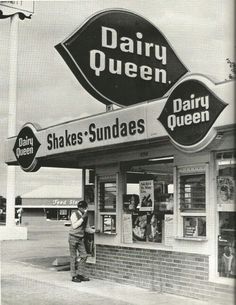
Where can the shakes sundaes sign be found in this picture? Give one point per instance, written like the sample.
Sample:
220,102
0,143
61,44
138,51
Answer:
121,58
189,113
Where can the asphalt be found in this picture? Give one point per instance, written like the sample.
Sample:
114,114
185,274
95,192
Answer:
28,276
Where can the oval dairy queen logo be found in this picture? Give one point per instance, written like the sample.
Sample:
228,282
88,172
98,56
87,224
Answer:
120,57
26,147
189,113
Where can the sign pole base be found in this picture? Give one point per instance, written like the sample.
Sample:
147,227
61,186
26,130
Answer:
13,233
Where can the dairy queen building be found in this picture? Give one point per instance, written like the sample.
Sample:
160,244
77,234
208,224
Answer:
160,165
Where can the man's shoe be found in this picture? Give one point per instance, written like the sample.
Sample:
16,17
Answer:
82,278
76,279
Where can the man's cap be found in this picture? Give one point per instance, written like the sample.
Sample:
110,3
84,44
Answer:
82,204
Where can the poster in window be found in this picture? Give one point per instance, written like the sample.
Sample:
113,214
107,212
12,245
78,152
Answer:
146,190
154,228
226,190
190,226
194,226
139,226
130,202
109,224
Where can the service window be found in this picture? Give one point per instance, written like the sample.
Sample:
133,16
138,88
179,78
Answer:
107,194
149,199
107,197
192,192
192,201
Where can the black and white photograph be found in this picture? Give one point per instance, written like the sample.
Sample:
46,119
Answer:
117,155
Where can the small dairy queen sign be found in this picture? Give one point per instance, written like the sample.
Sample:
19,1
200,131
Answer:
189,113
26,147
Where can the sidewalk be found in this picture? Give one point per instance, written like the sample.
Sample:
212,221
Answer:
51,287
28,278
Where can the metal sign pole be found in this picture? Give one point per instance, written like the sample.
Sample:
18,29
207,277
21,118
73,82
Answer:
11,170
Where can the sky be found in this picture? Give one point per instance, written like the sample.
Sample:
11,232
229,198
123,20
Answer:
201,33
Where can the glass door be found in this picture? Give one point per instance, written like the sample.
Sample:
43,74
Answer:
226,166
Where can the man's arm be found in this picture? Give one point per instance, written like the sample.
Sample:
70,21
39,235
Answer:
75,221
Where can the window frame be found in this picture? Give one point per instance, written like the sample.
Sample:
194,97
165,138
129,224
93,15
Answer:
151,243
222,208
191,170
112,213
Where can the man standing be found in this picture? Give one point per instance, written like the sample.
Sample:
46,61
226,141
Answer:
79,225
19,215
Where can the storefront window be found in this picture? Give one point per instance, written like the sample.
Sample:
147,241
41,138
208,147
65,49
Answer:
58,214
149,199
63,214
192,201
226,173
52,214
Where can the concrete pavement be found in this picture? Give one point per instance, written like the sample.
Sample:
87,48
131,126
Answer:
31,285
28,277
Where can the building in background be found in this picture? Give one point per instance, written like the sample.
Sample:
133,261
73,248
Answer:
49,202
2,210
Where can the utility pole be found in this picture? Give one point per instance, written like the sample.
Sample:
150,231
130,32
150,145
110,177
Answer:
14,10
12,100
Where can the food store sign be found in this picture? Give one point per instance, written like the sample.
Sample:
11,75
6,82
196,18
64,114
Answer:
65,202
189,113
120,57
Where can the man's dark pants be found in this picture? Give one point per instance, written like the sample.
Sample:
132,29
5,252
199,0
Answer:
77,251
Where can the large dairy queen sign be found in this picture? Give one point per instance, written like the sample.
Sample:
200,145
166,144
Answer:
120,57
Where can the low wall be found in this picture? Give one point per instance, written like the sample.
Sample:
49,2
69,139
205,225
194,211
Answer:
165,271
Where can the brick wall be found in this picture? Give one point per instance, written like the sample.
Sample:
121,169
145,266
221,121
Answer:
165,271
